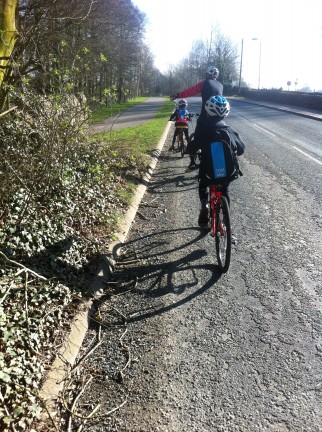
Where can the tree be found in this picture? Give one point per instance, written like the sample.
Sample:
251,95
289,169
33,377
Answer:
218,51
93,47
8,35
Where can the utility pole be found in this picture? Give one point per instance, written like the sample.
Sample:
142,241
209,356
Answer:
241,65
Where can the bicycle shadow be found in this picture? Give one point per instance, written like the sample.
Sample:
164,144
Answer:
160,243
181,181
156,280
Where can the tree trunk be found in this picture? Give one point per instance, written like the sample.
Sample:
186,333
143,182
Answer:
8,34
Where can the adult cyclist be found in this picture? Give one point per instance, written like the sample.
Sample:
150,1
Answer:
216,109
207,88
181,117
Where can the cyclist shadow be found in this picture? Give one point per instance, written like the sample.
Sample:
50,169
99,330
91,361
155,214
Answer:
181,181
155,281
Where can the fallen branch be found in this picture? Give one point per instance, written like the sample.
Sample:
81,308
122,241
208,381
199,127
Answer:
26,302
149,205
133,261
90,416
6,293
26,269
86,355
71,412
125,348
8,111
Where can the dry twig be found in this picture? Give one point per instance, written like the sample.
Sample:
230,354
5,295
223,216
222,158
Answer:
6,293
125,348
128,261
71,412
141,215
22,266
149,205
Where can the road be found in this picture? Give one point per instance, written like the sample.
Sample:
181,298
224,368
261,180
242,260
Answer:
234,352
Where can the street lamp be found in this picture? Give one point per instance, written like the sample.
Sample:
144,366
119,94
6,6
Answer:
259,62
241,65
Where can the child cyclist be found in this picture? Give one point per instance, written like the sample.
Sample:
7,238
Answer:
181,117
216,109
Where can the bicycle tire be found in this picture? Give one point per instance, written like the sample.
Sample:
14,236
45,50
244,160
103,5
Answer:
181,143
223,234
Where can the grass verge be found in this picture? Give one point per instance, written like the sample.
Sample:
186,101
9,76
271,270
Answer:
141,140
103,113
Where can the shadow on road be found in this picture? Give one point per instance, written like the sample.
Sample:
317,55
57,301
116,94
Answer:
155,269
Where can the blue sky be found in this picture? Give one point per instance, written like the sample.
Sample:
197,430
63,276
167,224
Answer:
288,32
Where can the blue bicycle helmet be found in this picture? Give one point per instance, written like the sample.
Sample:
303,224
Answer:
217,106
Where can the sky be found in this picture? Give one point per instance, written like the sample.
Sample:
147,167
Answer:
288,33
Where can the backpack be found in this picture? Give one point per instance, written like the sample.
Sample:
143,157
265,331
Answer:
219,163
181,120
181,114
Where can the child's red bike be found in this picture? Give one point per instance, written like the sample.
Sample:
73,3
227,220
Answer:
181,140
220,226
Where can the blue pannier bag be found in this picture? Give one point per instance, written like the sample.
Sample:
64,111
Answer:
219,160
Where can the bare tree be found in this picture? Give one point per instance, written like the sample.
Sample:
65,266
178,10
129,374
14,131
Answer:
88,46
218,51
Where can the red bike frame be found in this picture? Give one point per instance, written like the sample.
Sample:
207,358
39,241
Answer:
215,194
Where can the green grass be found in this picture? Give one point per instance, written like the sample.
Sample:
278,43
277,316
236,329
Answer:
128,150
144,138
106,112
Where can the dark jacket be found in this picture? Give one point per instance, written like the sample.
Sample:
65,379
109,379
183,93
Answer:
207,88
205,133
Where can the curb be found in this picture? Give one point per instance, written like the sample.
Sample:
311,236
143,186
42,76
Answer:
67,354
281,108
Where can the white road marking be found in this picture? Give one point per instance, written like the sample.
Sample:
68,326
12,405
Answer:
296,148
270,133
307,155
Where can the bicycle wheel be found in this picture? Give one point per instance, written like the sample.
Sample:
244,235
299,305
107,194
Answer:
223,234
181,144
178,141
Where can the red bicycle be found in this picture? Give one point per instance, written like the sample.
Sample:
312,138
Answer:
181,140
220,225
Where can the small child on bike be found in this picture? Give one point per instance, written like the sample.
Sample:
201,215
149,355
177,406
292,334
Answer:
217,108
181,117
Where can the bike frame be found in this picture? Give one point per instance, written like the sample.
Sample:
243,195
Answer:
180,139
214,195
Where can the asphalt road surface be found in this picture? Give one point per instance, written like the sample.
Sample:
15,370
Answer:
211,352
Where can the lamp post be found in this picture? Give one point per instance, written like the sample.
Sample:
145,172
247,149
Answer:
259,62
241,65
